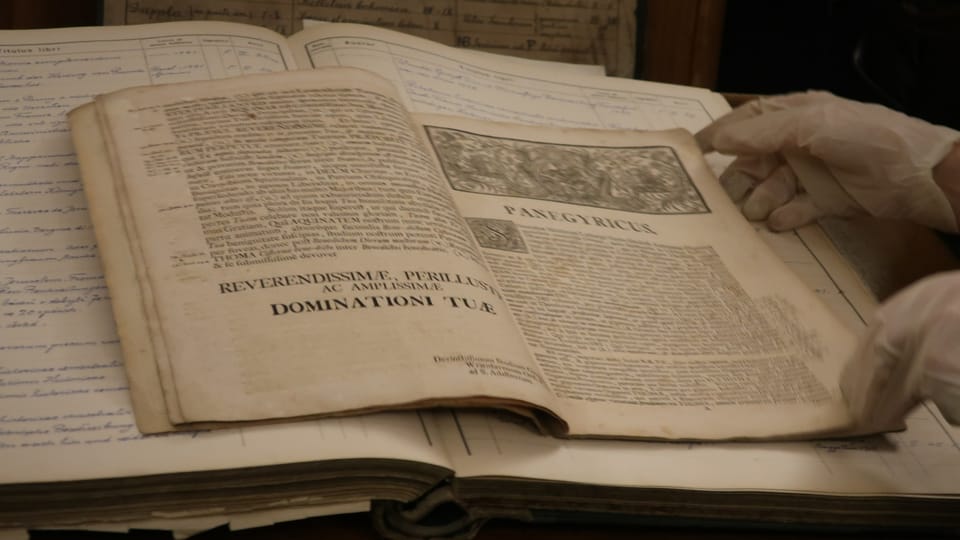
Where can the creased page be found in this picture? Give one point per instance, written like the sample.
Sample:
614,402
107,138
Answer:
124,274
651,307
65,409
303,253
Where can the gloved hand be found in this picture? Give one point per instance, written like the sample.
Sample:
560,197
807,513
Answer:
911,352
881,161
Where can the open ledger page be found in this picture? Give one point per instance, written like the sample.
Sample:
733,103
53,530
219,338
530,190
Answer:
300,253
570,32
650,305
65,410
437,79
921,461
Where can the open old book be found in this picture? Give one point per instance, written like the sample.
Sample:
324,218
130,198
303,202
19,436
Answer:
298,244
72,456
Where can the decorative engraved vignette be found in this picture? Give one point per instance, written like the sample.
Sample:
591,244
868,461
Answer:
647,180
499,234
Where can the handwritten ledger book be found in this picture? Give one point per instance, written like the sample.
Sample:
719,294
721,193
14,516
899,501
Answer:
70,453
599,33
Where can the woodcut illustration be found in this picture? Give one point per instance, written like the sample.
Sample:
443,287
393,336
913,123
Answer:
647,180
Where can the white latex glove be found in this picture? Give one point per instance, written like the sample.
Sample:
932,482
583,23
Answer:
911,352
881,161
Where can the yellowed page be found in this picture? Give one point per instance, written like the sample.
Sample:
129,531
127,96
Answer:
141,353
564,69
302,253
652,308
921,461
434,78
811,255
573,32
276,15
65,408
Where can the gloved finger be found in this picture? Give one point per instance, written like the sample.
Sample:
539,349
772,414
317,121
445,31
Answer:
737,184
772,193
908,354
876,382
823,187
939,346
799,211
763,105
746,172
946,396
833,131
767,133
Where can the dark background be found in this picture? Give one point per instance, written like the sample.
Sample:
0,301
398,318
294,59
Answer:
903,54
